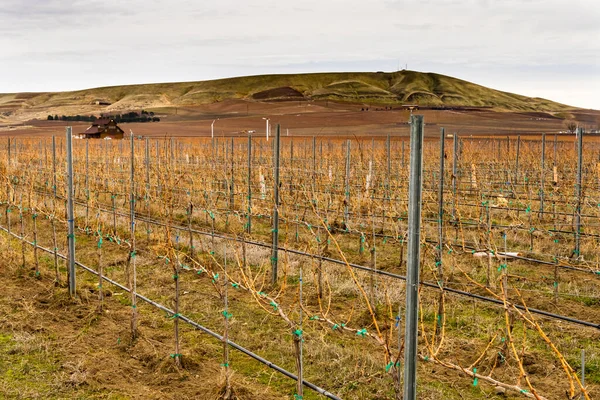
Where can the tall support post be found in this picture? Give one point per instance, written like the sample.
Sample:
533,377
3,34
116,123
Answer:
172,151
414,255
275,246
224,185
226,316
403,154
314,165
232,183
87,186
291,168
517,161
249,199
543,173
158,189
576,251
320,155
53,167
388,156
70,214
8,191
133,280
298,341
454,173
347,187
147,196
53,218
249,187
555,148
388,176
554,183
373,249
440,246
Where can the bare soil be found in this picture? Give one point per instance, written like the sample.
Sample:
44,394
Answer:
321,118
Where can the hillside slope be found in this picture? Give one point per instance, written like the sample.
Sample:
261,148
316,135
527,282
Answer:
369,87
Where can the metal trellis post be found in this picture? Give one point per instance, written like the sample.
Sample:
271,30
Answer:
414,254
578,192
275,252
70,213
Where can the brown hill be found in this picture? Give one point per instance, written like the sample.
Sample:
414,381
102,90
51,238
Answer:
394,88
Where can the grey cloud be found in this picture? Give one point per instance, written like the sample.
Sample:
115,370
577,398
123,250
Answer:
43,9
489,42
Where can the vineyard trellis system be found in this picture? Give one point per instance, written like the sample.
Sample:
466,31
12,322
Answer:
313,234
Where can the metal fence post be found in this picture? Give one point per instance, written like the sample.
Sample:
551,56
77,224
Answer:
232,183
542,180
275,251
576,252
454,173
70,213
388,176
8,191
403,153
147,195
314,166
440,249
87,185
414,254
347,187
132,255
249,223
517,162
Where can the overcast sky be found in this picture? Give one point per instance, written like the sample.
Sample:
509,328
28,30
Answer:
543,48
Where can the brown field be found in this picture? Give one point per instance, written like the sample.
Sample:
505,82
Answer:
322,118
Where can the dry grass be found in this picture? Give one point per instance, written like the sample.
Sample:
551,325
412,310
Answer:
337,355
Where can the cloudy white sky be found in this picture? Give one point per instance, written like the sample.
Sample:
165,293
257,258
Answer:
544,48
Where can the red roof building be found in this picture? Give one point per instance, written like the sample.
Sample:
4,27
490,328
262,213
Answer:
103,128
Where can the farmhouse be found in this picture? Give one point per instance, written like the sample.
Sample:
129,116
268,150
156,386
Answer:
410,107
102,129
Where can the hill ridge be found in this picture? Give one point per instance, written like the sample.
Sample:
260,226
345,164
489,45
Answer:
389,88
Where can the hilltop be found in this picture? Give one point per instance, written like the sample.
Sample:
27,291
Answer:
374,88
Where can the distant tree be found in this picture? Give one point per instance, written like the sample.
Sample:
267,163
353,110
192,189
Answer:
571,126
155,119
56,118
50,118
63,118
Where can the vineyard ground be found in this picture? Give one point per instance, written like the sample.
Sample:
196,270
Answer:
56,348
88,355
